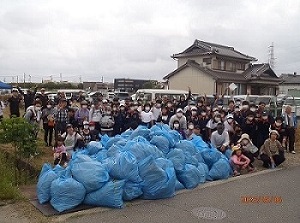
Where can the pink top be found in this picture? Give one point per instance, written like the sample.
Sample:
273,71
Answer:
239,160
60,149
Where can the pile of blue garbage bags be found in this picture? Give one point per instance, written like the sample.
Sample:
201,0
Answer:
142,163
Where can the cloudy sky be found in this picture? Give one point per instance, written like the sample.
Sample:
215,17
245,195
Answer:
91,39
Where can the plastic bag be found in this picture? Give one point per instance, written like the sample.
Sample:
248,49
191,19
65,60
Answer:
190,176
66,193
220,170
110,195
101,155
143,149
131,191
157,183
177,157
140,131
93,147
114,140
46,177
104,139
187,146
211,156
92,175
203,166
199,143
125,167
161,143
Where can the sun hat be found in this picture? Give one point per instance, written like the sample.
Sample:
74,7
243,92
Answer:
235,148
244,136
273,132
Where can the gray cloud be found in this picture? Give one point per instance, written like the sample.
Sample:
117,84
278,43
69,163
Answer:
135,38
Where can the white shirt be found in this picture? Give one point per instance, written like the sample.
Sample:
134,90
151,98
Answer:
218,140
147,117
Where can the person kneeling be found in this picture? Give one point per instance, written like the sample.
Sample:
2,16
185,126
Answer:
272,152
239,161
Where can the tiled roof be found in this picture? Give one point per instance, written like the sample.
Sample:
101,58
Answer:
290,78
255,72
201,48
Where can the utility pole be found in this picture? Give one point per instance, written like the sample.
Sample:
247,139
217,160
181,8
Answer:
24,79
271,56
60,75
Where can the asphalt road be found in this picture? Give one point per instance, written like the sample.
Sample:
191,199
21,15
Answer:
264,197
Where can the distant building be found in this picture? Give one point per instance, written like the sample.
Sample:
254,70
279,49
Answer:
290,84
129,85
210,68
98,86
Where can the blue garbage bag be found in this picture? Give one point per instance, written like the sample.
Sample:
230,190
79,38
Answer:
104,139
187,146
190,176
177,157
93,147
66,193
199,157
114,140
101,155
203,166
142,149
125,167
199,143
178,185
211,156
93,175
140,131
110,195
220,170
126,134
157,183
176,136
46,177
131,191
115,150
161,143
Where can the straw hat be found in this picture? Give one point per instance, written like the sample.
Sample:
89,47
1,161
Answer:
235,148
272,132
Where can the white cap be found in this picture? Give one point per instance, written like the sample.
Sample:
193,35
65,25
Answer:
179,110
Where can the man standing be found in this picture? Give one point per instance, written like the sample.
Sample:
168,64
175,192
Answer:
290,121
14,103
28,97
43,97
61,117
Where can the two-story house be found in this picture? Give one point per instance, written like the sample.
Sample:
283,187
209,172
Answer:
210,68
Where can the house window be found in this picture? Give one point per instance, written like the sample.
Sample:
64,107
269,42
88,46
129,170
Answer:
222,66
240,66
207,61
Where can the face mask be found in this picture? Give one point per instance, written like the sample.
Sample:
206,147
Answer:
250,118
169,105
135,107
49,106
220,106
158,105
122,109
38,108
253,109
92,127
200,104
236,109
191,127
109,112
278,123
147,109
222,115
194,113
85,126
179,115
114,109
230,120
208,108
176,126
245,106
217,119
203,113
164,117
264,117
84,106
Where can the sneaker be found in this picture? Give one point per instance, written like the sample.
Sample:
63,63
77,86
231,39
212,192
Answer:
293,152
236,173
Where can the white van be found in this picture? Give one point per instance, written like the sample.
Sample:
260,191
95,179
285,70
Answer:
70,93
153,94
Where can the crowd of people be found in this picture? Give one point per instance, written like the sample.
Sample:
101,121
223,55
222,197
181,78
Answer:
242,127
